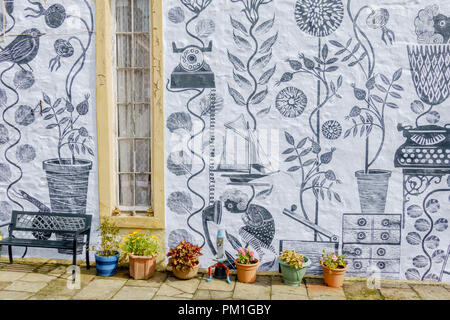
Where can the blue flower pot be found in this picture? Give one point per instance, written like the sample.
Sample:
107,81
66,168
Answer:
106,266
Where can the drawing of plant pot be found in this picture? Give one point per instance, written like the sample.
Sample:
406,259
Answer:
372,188
68,185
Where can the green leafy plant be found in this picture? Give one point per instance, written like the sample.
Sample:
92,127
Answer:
333,261
140,244
184,256
110,242
293,258
245,256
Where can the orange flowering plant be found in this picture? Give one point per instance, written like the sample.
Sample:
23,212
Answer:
184,256
140,244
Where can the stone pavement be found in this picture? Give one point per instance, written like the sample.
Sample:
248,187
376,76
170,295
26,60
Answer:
47,280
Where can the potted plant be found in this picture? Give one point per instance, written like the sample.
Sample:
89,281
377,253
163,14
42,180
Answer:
106,259
142,252
184,260
293,267
374,97
246,266
334,267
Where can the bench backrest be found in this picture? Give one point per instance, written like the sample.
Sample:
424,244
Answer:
49,222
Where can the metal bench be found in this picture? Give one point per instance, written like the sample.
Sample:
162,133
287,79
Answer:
74,227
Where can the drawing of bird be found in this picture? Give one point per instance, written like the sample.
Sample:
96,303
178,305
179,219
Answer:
442,26
23,49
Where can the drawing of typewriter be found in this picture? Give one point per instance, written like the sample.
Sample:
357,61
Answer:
426,147
193,71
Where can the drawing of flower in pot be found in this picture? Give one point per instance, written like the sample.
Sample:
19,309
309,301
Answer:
68,178
378,94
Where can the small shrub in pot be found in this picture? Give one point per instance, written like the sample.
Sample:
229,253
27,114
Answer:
334,267
246,265
184,260
107,257
293,267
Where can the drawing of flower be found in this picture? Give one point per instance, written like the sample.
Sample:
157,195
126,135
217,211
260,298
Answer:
331,129
319,18
291,102
63,49
378,19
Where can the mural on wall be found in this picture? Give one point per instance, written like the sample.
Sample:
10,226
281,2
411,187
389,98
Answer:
49,143
300,147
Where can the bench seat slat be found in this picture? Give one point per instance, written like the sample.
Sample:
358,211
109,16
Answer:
39,243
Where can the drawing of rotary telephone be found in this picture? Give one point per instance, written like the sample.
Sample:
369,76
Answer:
193,71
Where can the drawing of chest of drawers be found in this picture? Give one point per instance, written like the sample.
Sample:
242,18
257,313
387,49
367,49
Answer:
372,240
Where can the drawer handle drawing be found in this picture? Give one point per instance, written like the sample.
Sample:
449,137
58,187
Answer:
386,222
381,251
357,265
362,222
385,236
361,236
381,265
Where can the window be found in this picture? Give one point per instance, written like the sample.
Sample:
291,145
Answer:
133,105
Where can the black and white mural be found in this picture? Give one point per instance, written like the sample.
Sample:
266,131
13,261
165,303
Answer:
311,124
47,106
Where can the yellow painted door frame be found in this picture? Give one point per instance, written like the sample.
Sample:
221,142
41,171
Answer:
106,120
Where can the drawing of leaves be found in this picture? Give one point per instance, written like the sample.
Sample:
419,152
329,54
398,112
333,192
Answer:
397,75
288,151
237,63
267,45
263,61
291,158
336,43
289,138
324,52
259,97
242,43
263,111
237,25
46,99
294,64
293,169
238,98
417,107
235,243
337,197
241,81
266,76
264,194
265,26
309,162
302,143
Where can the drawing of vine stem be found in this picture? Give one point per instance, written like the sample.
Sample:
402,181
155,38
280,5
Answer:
264,49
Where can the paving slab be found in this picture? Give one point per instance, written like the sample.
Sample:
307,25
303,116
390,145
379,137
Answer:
58,287
399,294
322,292
14,295
431,292
41,297
168,298
168,291
186,286
259,290
359,291
155,282
11,276
135,293
217,284
4,284
281,291
100,289
37,277
16,267
212,295
26,286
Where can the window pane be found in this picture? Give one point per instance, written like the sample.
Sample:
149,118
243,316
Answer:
142,189
126,120
142,16
143,120
142,47
142,156
124,86
123,16
126,192
124,53
126,155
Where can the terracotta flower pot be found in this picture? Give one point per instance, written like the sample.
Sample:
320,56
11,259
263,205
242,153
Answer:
142,267
334,277
185,275
246,272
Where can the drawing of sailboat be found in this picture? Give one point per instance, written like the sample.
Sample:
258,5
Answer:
243,158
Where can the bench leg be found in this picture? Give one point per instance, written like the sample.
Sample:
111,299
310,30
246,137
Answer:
10,254
74,260
87,259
